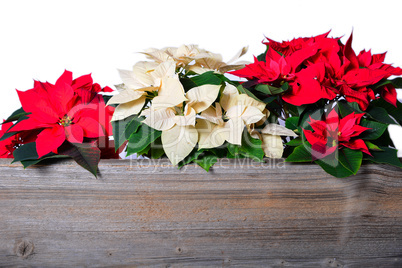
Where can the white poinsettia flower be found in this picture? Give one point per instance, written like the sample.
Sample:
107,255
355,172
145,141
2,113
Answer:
211,128
179,120
182,55
214,62
145,77
241,111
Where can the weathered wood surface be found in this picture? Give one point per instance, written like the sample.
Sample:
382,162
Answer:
247,215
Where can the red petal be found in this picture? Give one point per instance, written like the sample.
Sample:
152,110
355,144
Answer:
314,138
62,95
74,133
389,94
349,52
84,81
49,140
38,105
357,145
107,89
29,124
92,128
364,58
66,77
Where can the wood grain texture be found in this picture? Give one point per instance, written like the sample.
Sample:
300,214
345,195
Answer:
242,214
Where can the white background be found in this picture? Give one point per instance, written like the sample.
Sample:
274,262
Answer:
39,39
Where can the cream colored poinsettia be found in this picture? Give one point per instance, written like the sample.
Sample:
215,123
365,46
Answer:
204,60
240,110
147,77
214,62
177,122
182,55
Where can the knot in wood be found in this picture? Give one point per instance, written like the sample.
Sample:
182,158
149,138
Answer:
24,248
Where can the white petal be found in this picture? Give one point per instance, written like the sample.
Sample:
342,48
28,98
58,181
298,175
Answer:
198,69
235,129
272,145
228,97
188,118
125,96
130,108
275,129
157,55
142,71
213,115
178,142
210,135
262,120
251,115
238,54
203,96
244,99
165,69
247,113
170,94
130,80
160,119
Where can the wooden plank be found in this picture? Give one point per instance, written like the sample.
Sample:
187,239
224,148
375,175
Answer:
247,214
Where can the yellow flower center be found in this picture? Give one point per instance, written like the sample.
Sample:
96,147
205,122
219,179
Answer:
65,121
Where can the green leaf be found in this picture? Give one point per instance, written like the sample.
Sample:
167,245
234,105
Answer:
372,146
350,159
139,140
87,155
380,114
295,142
291,123
122,129
308,112
187,83
387,155
301,153
395,112
248,92
145,150
16,115
195,153
375,131
207,161
269,99
249,147
7,135
397,83
157,149
133,126
337,170
262,56
27,163
346,108
27,155
25,152
270,90
207,78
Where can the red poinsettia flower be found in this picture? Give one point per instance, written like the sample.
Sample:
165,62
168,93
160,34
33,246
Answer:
67,110
332,133
7,146
305,84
